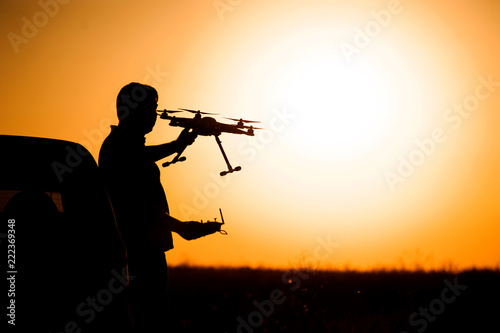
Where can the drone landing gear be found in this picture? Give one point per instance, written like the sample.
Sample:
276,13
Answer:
230,168
176,159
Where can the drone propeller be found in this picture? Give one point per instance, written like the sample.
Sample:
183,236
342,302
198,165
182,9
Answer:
254,127
196,111
167,111
242,120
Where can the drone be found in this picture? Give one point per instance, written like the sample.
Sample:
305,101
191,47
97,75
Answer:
207,126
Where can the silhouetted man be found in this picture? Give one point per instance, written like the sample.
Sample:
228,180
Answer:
133,181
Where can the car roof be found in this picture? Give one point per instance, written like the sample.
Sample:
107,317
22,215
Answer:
43,163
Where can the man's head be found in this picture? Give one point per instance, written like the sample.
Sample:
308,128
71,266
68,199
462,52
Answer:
136,106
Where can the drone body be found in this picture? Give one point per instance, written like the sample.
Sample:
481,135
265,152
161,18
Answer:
207,126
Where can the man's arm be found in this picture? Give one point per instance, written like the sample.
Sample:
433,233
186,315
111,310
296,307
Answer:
159,152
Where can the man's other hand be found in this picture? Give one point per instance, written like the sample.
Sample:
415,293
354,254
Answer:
193,230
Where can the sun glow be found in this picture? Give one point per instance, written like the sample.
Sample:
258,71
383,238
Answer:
344,110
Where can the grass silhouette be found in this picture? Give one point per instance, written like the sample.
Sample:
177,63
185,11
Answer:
238,300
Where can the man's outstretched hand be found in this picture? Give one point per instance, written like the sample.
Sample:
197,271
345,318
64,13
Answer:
186,138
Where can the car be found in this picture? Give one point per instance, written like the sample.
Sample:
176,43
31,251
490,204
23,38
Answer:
67,266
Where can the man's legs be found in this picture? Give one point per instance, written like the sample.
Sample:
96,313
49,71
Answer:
148,291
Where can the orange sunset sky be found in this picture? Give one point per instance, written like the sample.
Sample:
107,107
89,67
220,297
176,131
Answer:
382,118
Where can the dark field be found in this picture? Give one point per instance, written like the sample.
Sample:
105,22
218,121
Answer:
247,300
